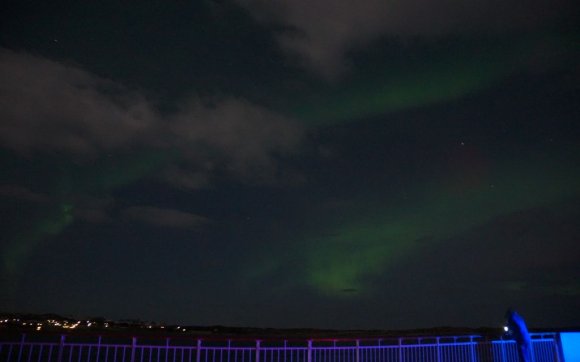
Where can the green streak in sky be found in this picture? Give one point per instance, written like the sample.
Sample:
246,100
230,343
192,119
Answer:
425,87
71,181
340,262
343,259
359,250
394,87
109,172
24,243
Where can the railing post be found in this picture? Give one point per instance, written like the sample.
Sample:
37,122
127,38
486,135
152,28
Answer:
309,352
61,348
98,348
133,346
357,351
167,348
198,351
557,344
472,349
503,358
22,340
257,350
400,351
438,349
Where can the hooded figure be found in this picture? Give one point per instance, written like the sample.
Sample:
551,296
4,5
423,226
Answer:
518,330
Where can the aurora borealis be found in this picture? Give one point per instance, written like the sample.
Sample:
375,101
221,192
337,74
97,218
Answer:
252,163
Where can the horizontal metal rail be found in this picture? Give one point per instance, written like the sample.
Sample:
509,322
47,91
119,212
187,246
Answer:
408,349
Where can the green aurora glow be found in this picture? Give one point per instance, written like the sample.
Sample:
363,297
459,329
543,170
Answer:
418,81
341,260
97,178
15,255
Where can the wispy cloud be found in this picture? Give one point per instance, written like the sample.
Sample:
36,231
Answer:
22,193
50,106
164,217
323,31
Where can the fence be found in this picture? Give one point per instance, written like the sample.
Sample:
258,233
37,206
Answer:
408,349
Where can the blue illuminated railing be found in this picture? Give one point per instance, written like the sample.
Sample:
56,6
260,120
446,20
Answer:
408,349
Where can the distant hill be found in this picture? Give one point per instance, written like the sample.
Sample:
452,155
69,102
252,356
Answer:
55,323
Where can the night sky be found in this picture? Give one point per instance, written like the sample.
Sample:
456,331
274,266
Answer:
291,163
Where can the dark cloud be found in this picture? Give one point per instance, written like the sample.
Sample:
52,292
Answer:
93,210
246,138
165,217
47,105
511,247
22,193
323,31
516,259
